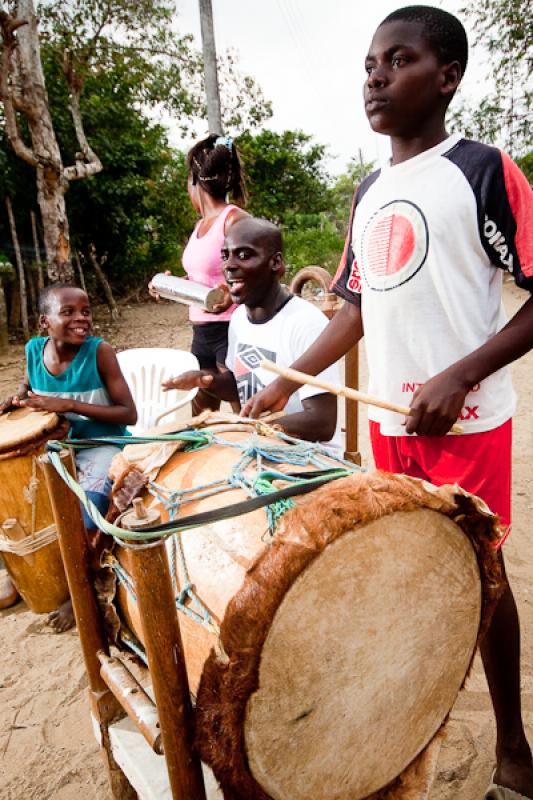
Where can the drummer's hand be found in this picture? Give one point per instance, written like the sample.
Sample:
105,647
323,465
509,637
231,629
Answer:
219,308
152,292
7,403
437,405
273,397
196,378
39,402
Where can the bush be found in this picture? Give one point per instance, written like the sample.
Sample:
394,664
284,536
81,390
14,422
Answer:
306,246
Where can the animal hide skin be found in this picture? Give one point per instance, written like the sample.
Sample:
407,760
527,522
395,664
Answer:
318,520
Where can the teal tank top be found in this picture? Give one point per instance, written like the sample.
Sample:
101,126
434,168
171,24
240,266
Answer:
80,381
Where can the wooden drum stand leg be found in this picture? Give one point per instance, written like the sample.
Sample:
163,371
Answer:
351,379
162,640
329,305
74,550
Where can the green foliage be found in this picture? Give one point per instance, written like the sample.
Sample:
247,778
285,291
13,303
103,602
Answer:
7,270
313,245
126,58
136,211
526,165
17,180
139,42
286,175
504,28
90,38
343,191
289,185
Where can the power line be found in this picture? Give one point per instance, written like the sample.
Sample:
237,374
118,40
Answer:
292,26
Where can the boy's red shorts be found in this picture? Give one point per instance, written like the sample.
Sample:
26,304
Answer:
478,462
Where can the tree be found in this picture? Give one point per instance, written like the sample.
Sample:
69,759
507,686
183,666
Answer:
17,197
504,28
136,213
343,190
89,39
287,175
321,242
526,165
23,91
289,184
243,105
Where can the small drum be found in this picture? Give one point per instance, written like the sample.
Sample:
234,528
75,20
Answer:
28,540
339,644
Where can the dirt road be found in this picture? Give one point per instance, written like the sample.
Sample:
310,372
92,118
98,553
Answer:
47,749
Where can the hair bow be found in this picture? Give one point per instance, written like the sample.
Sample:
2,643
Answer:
227,141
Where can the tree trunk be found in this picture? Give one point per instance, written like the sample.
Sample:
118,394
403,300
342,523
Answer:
51,199
4,341
37,248
14,307
77,259
51,184
105,283
30,281
23,91
20,270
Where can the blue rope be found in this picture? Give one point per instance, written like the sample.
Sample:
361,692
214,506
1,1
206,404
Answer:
259,483
130,641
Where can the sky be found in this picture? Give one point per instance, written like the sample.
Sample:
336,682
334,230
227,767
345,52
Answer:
308,58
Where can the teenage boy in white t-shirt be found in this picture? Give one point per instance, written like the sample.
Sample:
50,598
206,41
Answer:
430,239
269,323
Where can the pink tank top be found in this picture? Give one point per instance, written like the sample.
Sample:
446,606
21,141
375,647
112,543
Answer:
203,264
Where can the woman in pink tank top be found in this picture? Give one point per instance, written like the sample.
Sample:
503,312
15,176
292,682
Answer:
215,172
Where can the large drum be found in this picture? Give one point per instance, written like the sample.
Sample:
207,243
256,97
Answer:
338,645
28,540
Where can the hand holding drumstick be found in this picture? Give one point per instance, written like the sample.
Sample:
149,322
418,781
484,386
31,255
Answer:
341,391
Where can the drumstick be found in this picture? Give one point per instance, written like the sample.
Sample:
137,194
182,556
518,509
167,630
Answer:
340,391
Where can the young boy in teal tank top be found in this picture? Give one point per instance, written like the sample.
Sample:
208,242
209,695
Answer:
77,375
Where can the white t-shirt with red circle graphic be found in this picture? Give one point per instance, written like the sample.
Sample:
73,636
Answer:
431,239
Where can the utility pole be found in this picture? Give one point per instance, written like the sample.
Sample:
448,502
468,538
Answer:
210,67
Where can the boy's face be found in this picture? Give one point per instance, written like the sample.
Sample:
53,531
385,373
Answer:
406,87
251,269
68,318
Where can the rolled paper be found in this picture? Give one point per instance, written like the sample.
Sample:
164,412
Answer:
183,291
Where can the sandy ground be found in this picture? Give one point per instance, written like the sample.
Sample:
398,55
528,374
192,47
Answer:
47,749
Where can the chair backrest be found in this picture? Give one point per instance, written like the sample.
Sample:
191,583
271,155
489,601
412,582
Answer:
144,369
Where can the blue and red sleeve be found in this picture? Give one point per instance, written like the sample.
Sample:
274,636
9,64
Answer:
504,207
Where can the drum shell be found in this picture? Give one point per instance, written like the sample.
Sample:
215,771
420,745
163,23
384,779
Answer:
218,555
39,576
271,667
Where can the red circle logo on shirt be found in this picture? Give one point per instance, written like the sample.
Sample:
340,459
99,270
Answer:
394,245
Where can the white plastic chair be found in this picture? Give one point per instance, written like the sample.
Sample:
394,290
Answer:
144,369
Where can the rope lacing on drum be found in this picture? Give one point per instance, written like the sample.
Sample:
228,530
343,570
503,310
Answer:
301,453
202,616
248,474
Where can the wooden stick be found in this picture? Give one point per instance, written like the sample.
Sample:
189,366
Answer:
75,552
341,391
164,650
130,694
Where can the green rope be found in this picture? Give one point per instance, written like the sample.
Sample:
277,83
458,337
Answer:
259,483
196,440
300,453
